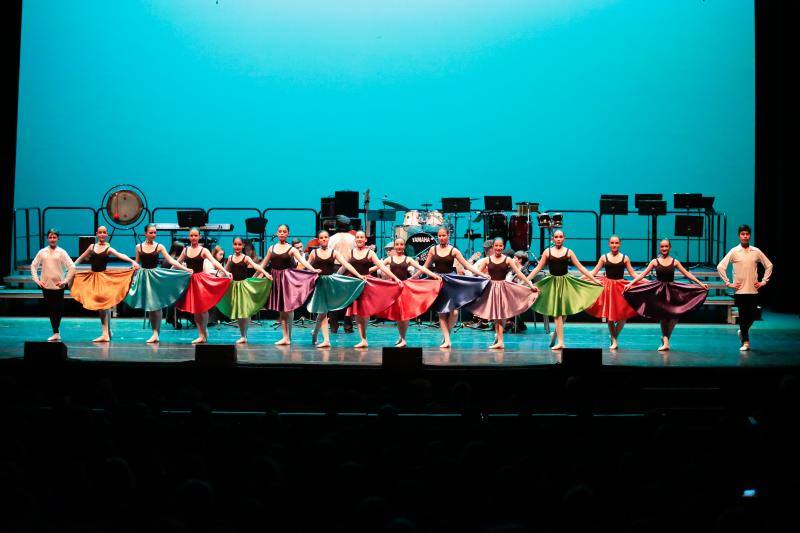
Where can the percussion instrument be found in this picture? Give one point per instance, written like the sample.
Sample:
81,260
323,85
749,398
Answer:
520,232
418,243
401,232
412,218
495,225
434,218
525,209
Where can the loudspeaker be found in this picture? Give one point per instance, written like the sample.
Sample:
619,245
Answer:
402,359
84,242
215,355
582,358
346,203
45,353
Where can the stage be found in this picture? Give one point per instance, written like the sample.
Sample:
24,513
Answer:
776,341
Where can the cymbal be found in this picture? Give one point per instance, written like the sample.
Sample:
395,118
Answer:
398,206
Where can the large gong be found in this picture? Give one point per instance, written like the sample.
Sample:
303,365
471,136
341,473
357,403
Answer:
124,206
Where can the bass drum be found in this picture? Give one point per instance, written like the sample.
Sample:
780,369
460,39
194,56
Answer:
520,232
419,243
495,225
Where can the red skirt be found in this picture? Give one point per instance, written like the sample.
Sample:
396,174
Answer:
611,304
203,293
415,298
377,296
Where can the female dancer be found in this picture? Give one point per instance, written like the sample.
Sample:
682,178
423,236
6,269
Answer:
290,286
502,299
612,304
378,294
332,291
664,299
204,290
417,294
53,260
245,295
153,288
562,294
100,290
457,291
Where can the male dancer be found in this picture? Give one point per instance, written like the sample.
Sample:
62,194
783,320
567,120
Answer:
54,261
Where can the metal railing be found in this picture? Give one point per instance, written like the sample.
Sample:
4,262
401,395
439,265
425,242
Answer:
28,235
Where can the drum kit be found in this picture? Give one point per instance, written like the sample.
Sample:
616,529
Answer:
420,226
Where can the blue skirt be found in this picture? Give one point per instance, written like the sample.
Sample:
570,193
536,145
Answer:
458,291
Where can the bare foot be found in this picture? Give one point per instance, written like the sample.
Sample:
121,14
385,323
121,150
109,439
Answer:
242,340
445,344
55,337
400,344
152,339
283,342
557,347
614,344
199,340
362,344
497,346
398,341
664,347
101,338
324,344
745,347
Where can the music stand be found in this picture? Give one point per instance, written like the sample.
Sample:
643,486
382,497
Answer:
688,201
193,218
652,208
688,226
456,205
644,198
497,203
613,204
383,216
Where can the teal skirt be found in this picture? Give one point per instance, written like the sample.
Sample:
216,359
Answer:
334,292
156,288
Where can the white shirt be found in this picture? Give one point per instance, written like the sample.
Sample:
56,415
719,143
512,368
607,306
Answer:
343,242
744,268
53,262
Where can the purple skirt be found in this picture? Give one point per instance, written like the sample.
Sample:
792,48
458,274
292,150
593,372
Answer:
665,300
290,288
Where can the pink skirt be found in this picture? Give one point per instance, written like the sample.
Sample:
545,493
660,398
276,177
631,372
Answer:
503,299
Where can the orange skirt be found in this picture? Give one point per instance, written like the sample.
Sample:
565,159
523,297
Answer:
101,290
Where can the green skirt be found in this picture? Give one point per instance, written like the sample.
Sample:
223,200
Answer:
156,288
565,295
245,298
334,292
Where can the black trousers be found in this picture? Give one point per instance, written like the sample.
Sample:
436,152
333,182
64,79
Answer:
54,300
748,307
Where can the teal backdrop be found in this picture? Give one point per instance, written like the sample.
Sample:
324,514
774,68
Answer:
274,103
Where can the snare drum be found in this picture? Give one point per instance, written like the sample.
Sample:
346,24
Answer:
412,218
434,218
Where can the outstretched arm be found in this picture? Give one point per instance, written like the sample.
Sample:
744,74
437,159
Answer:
120,255
81,258
249,261
169,259
423,269
582,270
302,260
628,265
467,265
689,275
377,262
207,255
540,266
642,274
520,275
264,262
599,265
346,265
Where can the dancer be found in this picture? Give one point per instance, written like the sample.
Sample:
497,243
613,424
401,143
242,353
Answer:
101,289
611,304
562,294
290,286
204,290
417,294
154,288
332,291
457,290
502,299
378,294
745,281
245,295
54,261
665,299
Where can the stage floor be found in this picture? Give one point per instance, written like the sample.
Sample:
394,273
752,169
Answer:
776,342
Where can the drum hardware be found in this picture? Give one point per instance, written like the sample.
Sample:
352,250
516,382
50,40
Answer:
495,225
525,209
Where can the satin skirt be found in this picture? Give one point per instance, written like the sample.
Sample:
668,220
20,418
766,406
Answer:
377,296
416,297
245,297
458,291
501,300
203,293
611,304
334,292
101,290
565,295
153,289
291,288
665,300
